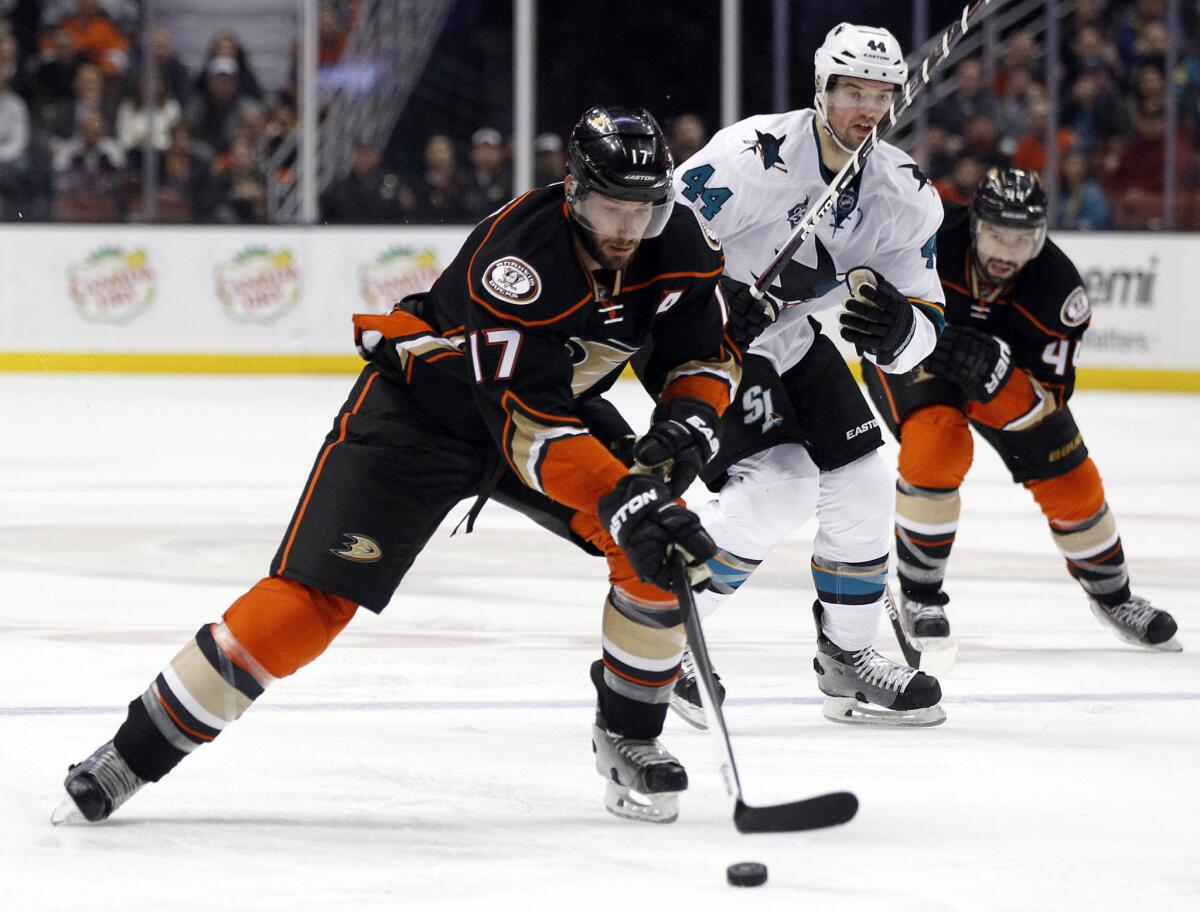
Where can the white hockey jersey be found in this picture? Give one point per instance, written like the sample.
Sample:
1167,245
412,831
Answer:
753,183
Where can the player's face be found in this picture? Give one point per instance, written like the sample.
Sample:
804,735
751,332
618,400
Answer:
616,226
854,106
1003,251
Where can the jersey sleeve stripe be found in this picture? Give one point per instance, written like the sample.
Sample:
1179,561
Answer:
676,275
934,311
715,391
1032,319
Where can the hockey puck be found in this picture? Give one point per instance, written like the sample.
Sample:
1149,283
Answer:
746,874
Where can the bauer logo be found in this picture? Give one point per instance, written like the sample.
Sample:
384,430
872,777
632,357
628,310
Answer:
395,274
258,285
512,279
112,285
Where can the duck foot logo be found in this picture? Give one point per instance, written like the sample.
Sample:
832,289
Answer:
358,548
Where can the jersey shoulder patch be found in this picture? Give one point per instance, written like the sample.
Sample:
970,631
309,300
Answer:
512,280
1076,309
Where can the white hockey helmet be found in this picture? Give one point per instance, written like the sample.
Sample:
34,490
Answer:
860,51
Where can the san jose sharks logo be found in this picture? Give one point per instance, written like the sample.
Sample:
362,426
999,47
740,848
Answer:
918,176
767,147
798,282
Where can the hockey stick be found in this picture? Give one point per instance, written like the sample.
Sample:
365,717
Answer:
808,814
899,106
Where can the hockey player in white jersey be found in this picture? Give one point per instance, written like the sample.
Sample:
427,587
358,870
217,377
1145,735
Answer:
800,436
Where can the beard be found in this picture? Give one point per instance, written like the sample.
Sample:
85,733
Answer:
593,245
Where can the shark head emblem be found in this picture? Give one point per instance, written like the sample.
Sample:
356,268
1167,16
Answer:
358,548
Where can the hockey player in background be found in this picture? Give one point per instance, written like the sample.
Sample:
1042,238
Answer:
800,436
1016,314
480,385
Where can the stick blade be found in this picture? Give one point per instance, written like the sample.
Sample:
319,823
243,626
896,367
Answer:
809,814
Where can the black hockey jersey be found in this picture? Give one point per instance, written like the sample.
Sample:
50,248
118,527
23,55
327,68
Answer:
517,329
1042,314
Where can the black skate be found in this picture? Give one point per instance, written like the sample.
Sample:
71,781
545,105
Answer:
96,787
1138,622
923,616
864,687
643,778
686,699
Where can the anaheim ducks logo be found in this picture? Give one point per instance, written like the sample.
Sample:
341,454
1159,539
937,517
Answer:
512,279
1076,309
358,548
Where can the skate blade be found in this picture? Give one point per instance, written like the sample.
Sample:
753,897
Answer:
624,802
67,813
849,711
1171,645
691,714
938,660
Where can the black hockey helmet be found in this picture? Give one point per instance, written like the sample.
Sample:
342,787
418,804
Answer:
621,154
1011,198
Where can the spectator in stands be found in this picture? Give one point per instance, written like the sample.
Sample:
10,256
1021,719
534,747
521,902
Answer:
1095,112
981,140
1136,185
687,137
489,179
1082,203
17,76
136,118
96,38
438,195
1150,46
57,66
123,13
88,174
935,153
14,148
1030,153
63,119
240,187
549,160
227,44
1012,111
332,34
184,179
1149,88
970,99
959,185
174,73
367,195
213,114
1020,53
1091,52
1133,23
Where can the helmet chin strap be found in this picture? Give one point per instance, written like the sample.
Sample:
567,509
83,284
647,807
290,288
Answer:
823,118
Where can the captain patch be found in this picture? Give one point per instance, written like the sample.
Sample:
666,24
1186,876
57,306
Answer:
512,279
1076,309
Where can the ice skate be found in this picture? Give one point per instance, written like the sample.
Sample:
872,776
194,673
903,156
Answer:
864,687
686,699
1138,622
923,617
96,787
643,778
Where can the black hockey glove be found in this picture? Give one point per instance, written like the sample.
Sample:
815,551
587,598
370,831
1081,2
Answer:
681,440
649,527
748,315
878,319
977,361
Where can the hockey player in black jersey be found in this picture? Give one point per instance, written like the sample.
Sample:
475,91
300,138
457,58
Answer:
1016,313
484,386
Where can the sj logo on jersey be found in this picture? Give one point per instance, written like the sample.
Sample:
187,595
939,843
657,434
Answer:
512,279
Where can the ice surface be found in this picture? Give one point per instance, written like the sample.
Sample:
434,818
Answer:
438,756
